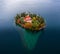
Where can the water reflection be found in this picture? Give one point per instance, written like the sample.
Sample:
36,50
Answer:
29,38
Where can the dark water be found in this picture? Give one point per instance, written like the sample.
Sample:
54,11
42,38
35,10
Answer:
48,42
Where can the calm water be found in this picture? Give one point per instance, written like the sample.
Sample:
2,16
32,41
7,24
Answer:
10,41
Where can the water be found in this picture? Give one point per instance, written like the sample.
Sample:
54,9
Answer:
10,41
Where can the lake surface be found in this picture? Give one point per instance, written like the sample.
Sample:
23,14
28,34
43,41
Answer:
10,41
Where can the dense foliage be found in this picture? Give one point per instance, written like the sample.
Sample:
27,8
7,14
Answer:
30,21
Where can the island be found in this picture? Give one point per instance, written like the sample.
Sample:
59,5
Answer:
30,21
32,26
